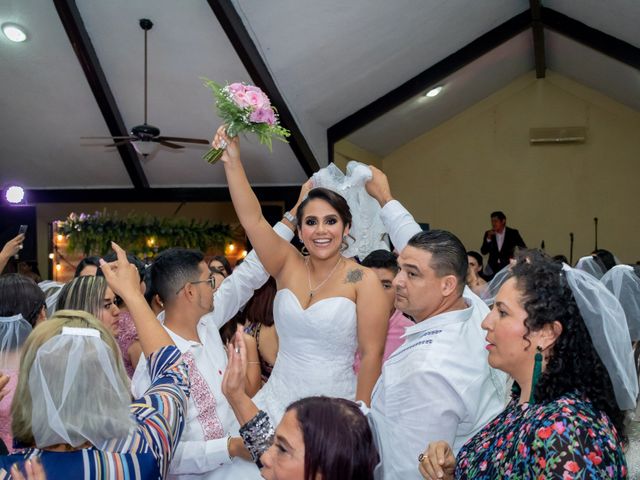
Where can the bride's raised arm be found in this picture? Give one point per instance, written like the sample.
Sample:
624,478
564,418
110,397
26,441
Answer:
272,249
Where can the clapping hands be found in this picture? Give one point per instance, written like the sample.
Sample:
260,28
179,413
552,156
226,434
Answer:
233,381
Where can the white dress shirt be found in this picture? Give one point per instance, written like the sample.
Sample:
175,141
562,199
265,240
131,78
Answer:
195,457
438,384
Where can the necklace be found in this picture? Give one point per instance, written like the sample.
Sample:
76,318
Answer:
312,291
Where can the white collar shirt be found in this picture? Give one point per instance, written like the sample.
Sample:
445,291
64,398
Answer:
500,238
199,456
438,384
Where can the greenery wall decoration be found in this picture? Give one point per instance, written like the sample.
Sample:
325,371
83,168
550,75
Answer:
141,235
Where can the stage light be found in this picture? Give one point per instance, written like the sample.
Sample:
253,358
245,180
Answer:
14,194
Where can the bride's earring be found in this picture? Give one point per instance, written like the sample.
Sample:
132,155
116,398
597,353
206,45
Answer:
344,245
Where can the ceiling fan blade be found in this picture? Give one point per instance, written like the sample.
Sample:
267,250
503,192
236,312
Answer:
117,144
169,144
103,138
186,140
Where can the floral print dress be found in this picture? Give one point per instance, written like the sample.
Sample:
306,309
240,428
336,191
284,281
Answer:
567,438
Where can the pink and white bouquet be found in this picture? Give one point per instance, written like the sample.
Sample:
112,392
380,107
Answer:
245,108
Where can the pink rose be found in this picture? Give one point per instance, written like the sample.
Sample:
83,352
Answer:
263,115
240,99
236,87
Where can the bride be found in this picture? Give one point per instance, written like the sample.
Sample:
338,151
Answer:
327,305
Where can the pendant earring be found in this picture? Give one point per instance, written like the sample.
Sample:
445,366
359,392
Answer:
344,245
537,371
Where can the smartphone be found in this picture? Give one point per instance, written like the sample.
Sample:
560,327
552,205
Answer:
21,231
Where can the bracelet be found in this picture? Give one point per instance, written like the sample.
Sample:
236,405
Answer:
290,218
229,447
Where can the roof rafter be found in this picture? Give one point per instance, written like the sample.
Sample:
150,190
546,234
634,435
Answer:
478,47
597,40
256,66
82,46
538,38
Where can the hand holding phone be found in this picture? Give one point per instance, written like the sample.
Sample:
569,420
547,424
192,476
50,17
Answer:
21,231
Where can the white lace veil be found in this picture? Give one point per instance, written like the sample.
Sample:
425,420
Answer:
623,282
367,227
489,294
51,291
77,395
590,265
606,322
13,333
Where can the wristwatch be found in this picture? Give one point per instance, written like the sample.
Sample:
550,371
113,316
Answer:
287,215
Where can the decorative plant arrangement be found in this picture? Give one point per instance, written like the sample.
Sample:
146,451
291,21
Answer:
141,235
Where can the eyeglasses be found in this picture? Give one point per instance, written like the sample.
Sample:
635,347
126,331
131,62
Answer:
211,280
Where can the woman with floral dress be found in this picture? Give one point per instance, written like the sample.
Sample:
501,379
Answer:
566,420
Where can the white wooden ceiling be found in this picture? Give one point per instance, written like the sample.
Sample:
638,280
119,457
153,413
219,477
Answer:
328,59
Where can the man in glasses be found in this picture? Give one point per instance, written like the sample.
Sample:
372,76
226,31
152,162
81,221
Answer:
197,303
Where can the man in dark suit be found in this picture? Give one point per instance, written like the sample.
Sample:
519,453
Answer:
500,242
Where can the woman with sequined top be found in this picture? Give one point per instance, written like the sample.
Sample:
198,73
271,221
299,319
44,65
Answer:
318,438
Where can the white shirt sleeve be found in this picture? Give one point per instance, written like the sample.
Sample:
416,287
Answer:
197,457
399,223
141,380
238,288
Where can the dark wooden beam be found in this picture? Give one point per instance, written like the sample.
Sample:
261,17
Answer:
287,194
604,43
82,46
429,77
259,73
538,38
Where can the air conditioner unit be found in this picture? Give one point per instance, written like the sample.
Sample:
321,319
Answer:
557,135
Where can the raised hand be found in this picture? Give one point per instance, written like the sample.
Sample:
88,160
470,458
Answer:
378,187
233,381
13,246
121,276
437,462
231,145
124,280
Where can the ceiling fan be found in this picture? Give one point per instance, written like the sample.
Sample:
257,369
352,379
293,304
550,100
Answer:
144,137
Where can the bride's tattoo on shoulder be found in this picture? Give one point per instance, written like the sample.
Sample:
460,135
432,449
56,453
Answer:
354,275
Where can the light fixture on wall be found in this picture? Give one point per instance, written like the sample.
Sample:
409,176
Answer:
434,91
14,32
14,195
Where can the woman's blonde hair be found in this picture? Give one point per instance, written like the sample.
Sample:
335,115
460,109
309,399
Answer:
21,408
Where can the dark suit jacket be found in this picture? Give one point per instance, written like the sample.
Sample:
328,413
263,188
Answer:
498,259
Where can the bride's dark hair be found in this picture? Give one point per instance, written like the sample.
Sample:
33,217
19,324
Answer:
334,199
338,443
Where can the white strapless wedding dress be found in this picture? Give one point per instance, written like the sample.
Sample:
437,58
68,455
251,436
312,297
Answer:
317,346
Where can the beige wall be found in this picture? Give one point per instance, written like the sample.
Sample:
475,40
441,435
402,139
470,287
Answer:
344,151
479,161
222,212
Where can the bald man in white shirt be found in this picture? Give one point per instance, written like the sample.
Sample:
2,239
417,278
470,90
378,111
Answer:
438,384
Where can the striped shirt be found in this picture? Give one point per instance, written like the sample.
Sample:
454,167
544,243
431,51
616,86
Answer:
147,451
